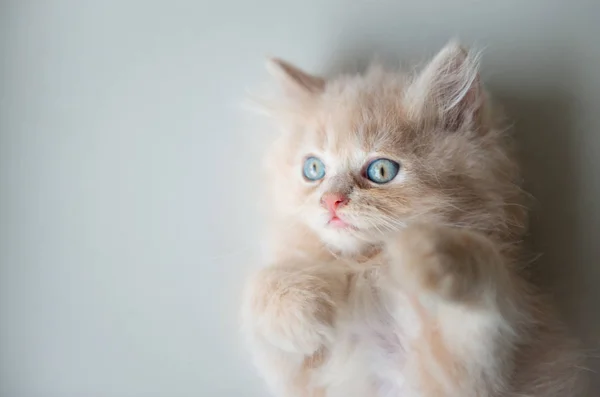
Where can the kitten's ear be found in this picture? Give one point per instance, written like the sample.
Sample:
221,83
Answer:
293,80
448,89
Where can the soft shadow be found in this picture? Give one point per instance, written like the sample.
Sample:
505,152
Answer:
545,132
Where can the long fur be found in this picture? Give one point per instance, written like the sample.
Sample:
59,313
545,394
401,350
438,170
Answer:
425,296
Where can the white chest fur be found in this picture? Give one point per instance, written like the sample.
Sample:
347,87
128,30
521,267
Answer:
369,357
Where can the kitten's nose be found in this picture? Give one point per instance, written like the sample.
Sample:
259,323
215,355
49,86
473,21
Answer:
332,201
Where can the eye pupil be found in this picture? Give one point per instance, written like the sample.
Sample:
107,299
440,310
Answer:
314,169
382,170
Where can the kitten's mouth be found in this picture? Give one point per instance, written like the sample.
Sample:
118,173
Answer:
338,223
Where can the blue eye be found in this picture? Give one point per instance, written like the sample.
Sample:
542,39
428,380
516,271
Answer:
382,170
314,169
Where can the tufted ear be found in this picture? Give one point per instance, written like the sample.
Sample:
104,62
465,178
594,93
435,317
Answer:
448,89
294,81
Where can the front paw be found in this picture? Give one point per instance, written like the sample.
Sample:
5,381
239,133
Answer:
293,308
448,262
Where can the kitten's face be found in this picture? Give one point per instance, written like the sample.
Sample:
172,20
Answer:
362,156
347,175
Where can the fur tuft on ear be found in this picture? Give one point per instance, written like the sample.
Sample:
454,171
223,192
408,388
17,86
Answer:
294,80
449,89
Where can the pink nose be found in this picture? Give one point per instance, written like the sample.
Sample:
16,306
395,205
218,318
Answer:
332,201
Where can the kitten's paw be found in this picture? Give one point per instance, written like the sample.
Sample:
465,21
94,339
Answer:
440,260
293,308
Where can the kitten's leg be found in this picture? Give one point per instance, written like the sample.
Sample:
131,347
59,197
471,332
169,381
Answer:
464,297
289,314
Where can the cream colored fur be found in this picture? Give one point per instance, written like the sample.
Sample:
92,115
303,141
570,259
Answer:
425,296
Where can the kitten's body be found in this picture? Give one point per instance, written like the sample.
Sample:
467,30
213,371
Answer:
419,293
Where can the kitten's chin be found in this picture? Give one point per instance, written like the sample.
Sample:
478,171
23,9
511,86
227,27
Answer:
346,241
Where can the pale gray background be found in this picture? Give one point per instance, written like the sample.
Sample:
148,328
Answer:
128,175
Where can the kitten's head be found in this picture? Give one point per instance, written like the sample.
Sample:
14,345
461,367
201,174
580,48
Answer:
361,156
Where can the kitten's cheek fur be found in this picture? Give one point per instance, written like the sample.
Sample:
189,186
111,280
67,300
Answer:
292,309
440,261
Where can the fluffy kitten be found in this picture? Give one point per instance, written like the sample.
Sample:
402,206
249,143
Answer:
397,217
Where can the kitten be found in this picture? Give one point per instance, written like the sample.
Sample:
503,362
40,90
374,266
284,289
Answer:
397,216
